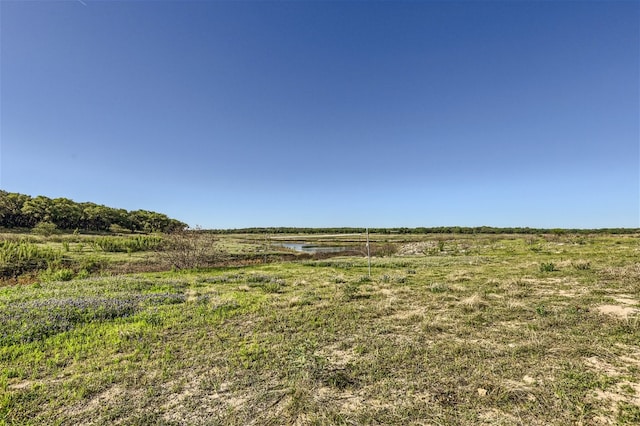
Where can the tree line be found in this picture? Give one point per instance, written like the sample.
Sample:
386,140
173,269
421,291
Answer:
426,230
23,211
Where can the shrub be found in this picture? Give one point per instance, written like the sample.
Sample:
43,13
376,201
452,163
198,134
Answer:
385,250
189,249
63,274
45,228
547,267
350,291
274,286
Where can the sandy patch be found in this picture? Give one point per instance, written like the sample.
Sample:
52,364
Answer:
108,397
618,311
339,357
570,293
494,416
625,300
623,391
602,366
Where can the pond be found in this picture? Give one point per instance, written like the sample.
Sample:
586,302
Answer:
313,248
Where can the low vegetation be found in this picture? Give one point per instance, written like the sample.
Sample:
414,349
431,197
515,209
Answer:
473,330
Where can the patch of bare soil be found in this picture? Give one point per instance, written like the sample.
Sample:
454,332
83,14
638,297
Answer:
622,312
624,391
337,356
496,417
625,299
210,403
109,397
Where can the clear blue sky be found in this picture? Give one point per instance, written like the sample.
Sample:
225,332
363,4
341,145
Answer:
235,114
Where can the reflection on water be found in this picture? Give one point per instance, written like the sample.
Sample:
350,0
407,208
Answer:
311,248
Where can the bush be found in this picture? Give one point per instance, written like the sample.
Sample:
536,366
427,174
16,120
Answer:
350,291
189,250
384,250
45,228
547,267
63,274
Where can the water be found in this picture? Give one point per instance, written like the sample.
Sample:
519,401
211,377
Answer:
311,248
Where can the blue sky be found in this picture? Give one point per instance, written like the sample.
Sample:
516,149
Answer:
237,114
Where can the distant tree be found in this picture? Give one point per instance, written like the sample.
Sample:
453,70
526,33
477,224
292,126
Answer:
11,209
65,213
37,210
19,210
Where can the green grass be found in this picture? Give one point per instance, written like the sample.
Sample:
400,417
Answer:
472,332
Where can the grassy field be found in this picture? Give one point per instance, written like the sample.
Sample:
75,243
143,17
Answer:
495,330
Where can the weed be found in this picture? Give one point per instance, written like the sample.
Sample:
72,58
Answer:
274,286
350,291
547,267
63,274
542,310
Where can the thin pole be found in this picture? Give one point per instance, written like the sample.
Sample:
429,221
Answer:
368,252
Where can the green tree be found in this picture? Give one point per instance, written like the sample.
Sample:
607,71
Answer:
11,204
37,210
65,213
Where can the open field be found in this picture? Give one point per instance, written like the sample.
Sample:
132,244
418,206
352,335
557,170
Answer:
475,329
